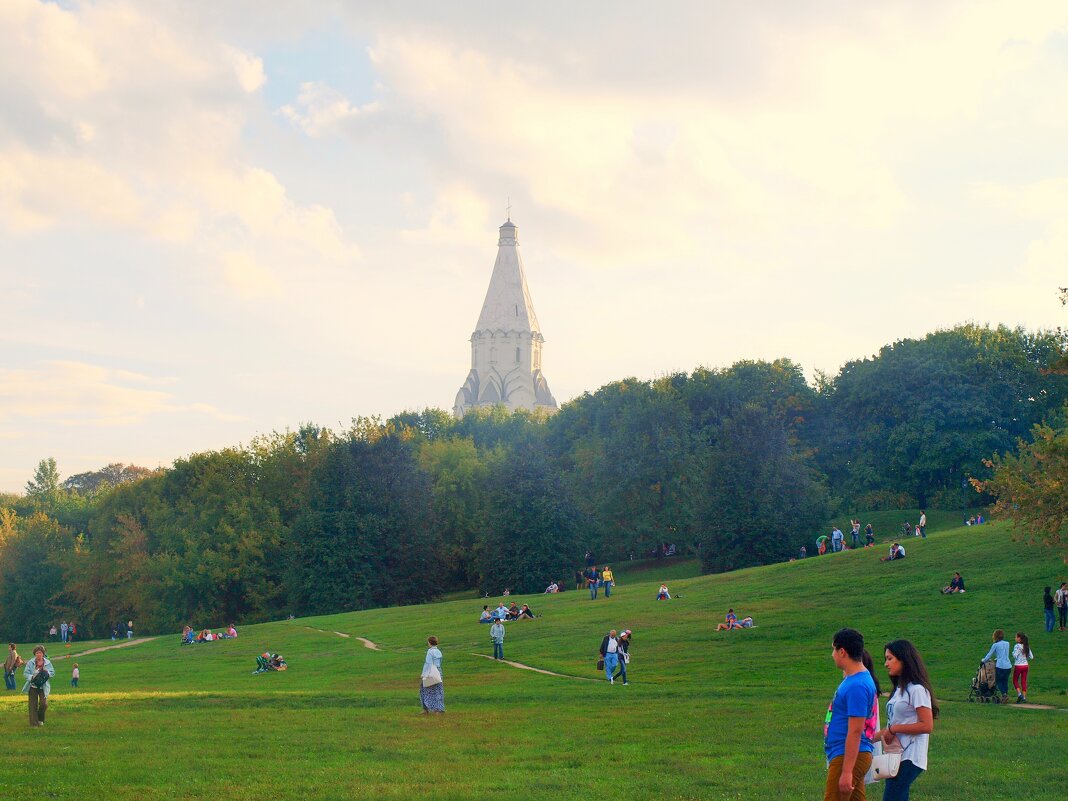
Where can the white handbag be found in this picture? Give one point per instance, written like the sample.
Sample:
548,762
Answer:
885,766
431,676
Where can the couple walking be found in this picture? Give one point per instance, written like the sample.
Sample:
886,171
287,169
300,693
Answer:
615,653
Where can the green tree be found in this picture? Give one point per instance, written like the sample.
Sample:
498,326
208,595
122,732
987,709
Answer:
533,526
43,488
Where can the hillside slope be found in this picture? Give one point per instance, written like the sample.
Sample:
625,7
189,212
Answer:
706,715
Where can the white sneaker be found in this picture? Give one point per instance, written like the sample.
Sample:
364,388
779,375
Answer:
611,681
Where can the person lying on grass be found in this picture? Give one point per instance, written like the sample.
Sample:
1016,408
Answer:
956,584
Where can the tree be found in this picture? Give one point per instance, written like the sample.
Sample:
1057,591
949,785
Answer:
43,488
532,529
762,499
1030,485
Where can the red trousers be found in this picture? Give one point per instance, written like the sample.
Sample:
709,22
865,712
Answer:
1019,678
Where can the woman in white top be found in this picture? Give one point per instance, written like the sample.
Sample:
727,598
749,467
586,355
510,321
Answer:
910,715
1021,653
433,697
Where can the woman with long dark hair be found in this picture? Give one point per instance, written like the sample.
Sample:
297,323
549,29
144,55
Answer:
910,715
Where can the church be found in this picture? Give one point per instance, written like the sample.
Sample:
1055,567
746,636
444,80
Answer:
506,346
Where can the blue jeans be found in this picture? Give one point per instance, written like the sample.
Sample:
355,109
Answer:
622,670
498,650
897,788
1049,620
593,591
73,682
607,588
611,662
9,680
1001,679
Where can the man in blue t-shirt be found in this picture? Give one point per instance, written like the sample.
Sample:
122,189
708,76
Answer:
845,743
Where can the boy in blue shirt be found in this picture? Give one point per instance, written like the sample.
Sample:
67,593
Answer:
845,743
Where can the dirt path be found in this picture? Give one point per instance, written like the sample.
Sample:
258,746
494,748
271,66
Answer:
521,666
366,642
123,644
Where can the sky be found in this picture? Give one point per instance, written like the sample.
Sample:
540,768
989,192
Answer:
219,220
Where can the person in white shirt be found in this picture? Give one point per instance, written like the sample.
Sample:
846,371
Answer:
610,655
1021,653
910,715
1060,598
923,524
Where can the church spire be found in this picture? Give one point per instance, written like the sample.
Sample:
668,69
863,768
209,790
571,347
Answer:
507,342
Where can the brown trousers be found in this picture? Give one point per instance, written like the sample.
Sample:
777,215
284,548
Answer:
38,706
834,772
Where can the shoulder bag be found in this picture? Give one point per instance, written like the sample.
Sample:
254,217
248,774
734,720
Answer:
431,675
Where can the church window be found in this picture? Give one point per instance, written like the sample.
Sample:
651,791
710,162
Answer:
517,355
517,310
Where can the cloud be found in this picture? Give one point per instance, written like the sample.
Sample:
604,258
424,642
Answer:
117,116
320,109
87,395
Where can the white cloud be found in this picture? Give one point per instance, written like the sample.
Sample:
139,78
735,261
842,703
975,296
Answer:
119,120
320,109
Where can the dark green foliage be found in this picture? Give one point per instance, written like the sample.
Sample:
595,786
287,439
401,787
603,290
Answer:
921,416
364,538
533,527
763,501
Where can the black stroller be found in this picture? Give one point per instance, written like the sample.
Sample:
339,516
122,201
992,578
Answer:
984,685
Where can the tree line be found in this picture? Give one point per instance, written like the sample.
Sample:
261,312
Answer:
737,466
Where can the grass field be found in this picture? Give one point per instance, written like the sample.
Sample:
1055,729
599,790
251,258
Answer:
730,716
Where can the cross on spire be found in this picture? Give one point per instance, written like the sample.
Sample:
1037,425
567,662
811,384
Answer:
508,208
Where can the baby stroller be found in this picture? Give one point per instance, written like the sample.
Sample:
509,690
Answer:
984,685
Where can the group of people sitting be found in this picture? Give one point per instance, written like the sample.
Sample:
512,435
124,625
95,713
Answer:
732,622
268,661
554,587
506,613
897,551
974,520
191,636
956,584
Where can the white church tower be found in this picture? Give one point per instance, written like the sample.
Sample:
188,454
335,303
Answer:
507,342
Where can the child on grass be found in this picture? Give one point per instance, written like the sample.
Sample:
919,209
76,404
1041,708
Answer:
74,676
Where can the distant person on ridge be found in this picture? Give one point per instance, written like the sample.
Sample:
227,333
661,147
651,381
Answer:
837,539
923,524
869,536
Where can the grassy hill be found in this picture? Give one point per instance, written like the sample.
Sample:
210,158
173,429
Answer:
713,716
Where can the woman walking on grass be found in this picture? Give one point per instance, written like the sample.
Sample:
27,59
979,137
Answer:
910,715
38,673
432,695
1002,663
1021,653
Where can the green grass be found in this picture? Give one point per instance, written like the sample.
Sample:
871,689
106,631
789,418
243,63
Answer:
730,716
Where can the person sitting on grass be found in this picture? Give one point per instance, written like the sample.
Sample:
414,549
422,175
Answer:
956,584
731,622
501,612
513,612
487,615
896,552
554,587
663,594
525,613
